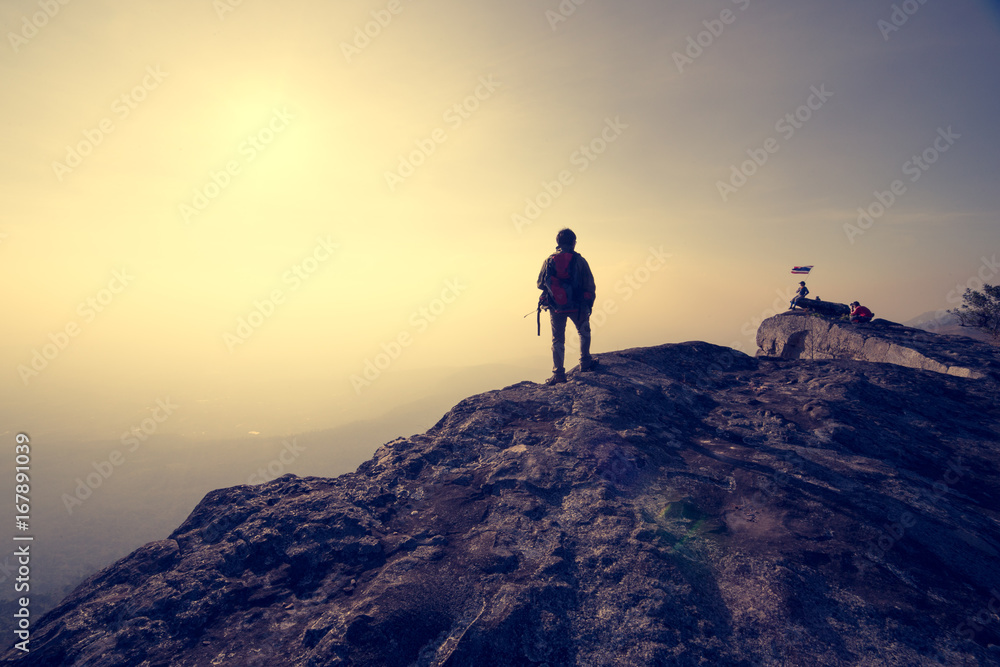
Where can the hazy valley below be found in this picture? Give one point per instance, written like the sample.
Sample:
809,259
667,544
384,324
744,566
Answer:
88,512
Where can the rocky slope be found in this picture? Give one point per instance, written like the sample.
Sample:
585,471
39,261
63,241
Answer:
800,335
685,505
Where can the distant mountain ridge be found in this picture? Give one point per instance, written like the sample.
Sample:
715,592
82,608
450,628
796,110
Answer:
686,504
943,322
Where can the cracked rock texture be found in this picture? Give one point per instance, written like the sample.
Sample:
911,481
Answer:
801,335
684,505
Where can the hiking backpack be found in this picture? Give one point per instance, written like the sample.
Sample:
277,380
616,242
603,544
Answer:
562,293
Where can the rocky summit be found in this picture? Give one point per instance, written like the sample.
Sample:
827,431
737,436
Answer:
682,505
804,335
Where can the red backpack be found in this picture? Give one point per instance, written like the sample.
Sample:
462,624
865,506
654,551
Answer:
562,292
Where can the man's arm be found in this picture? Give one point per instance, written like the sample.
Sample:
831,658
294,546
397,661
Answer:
541,275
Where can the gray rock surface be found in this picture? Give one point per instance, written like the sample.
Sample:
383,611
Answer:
800,335
684,505
825,308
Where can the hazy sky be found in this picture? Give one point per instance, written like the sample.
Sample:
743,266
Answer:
349,177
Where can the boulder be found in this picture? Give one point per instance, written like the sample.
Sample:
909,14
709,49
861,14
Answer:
827,308
802,335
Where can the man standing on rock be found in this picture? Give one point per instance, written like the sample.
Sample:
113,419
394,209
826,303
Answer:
568,292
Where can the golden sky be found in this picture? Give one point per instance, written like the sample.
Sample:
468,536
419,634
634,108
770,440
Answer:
241,204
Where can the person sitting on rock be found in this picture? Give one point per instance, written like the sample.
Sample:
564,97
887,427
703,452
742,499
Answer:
860,314
800,294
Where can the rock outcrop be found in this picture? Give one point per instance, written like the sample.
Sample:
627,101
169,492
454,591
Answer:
825,308
684,505
800,335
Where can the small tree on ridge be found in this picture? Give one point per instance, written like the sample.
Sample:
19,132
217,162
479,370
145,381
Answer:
981,310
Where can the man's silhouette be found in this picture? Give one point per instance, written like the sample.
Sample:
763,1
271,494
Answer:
568,291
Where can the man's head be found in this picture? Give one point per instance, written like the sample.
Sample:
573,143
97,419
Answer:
566,239
855,304
802,282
